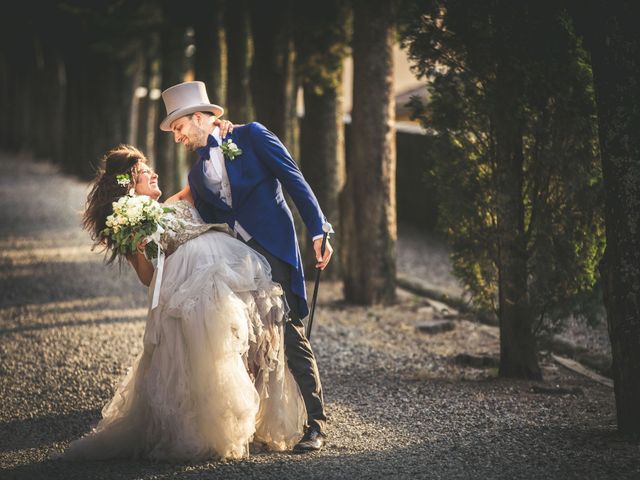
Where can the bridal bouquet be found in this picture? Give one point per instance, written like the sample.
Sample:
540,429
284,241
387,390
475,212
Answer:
134,219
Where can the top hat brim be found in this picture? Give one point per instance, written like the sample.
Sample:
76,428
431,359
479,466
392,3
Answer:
165,125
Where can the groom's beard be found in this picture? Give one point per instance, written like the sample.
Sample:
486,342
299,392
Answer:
197,139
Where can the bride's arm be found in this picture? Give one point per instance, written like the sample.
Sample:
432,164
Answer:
184,194
142,266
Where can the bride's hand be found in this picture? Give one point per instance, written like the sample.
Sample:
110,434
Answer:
141,246
142,266
226,127
184,194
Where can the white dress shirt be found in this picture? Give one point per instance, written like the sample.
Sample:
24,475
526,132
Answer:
217,180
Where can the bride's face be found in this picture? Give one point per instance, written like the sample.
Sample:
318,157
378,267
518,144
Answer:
147,181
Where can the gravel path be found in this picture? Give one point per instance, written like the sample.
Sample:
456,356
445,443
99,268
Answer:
425,256
399,404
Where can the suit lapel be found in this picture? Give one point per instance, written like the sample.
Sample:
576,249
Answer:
234,172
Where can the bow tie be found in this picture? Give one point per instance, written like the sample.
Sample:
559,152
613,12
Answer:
204,151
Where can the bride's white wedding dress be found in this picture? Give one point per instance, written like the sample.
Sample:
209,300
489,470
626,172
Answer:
212,376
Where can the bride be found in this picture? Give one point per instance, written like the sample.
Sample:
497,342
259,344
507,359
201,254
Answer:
212,375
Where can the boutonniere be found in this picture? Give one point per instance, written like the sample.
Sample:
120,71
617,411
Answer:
230,149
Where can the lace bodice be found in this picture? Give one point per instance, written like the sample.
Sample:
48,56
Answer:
183,224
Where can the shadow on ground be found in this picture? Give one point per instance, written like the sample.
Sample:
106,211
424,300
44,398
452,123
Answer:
431,458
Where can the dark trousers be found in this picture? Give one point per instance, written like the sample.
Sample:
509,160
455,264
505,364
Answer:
300,358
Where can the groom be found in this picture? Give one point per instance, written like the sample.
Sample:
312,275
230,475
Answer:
240,183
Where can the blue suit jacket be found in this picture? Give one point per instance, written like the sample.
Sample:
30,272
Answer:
256,177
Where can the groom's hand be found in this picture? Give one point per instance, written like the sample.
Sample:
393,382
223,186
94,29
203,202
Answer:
328,251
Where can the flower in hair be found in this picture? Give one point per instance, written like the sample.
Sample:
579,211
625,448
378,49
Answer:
123,179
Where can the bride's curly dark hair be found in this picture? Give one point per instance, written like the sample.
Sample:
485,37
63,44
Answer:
121,160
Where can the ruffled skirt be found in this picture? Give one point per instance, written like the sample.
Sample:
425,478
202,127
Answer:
212,376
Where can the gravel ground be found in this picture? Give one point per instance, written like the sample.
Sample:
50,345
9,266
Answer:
399,405
425,256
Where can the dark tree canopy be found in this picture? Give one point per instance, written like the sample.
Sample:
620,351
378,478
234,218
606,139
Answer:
517,167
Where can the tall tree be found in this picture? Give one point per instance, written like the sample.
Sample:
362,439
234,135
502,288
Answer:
516,163
517,341
322,36
611,34
368,218
173,67
210,62
273,86
239,54
76,89
140,109
98,50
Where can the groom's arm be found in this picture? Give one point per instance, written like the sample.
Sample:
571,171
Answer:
276,157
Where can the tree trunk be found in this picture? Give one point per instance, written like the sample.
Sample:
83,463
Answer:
272,80
49,113
83,135
172,46
137,99
58,103
322,38
143,104
5,76
74,79
105,116
210,62
517,342
40,133
369,205
322,157
156,109
21,40
25,85
238,34
518,355
615,49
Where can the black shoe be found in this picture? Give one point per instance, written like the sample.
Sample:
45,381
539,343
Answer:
312,441
257,447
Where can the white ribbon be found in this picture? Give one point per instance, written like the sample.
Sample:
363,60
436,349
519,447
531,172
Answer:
158,281
157,278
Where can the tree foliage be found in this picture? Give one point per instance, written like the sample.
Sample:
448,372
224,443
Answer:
322,31
462,48
611,35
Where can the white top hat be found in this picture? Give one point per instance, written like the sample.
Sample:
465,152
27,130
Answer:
184,99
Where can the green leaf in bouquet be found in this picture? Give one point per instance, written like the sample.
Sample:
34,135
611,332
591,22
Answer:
151,250
137,237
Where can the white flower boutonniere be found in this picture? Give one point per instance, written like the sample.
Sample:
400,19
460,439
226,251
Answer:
230,149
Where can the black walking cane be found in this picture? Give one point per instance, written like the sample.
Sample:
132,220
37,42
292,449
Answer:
327,229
